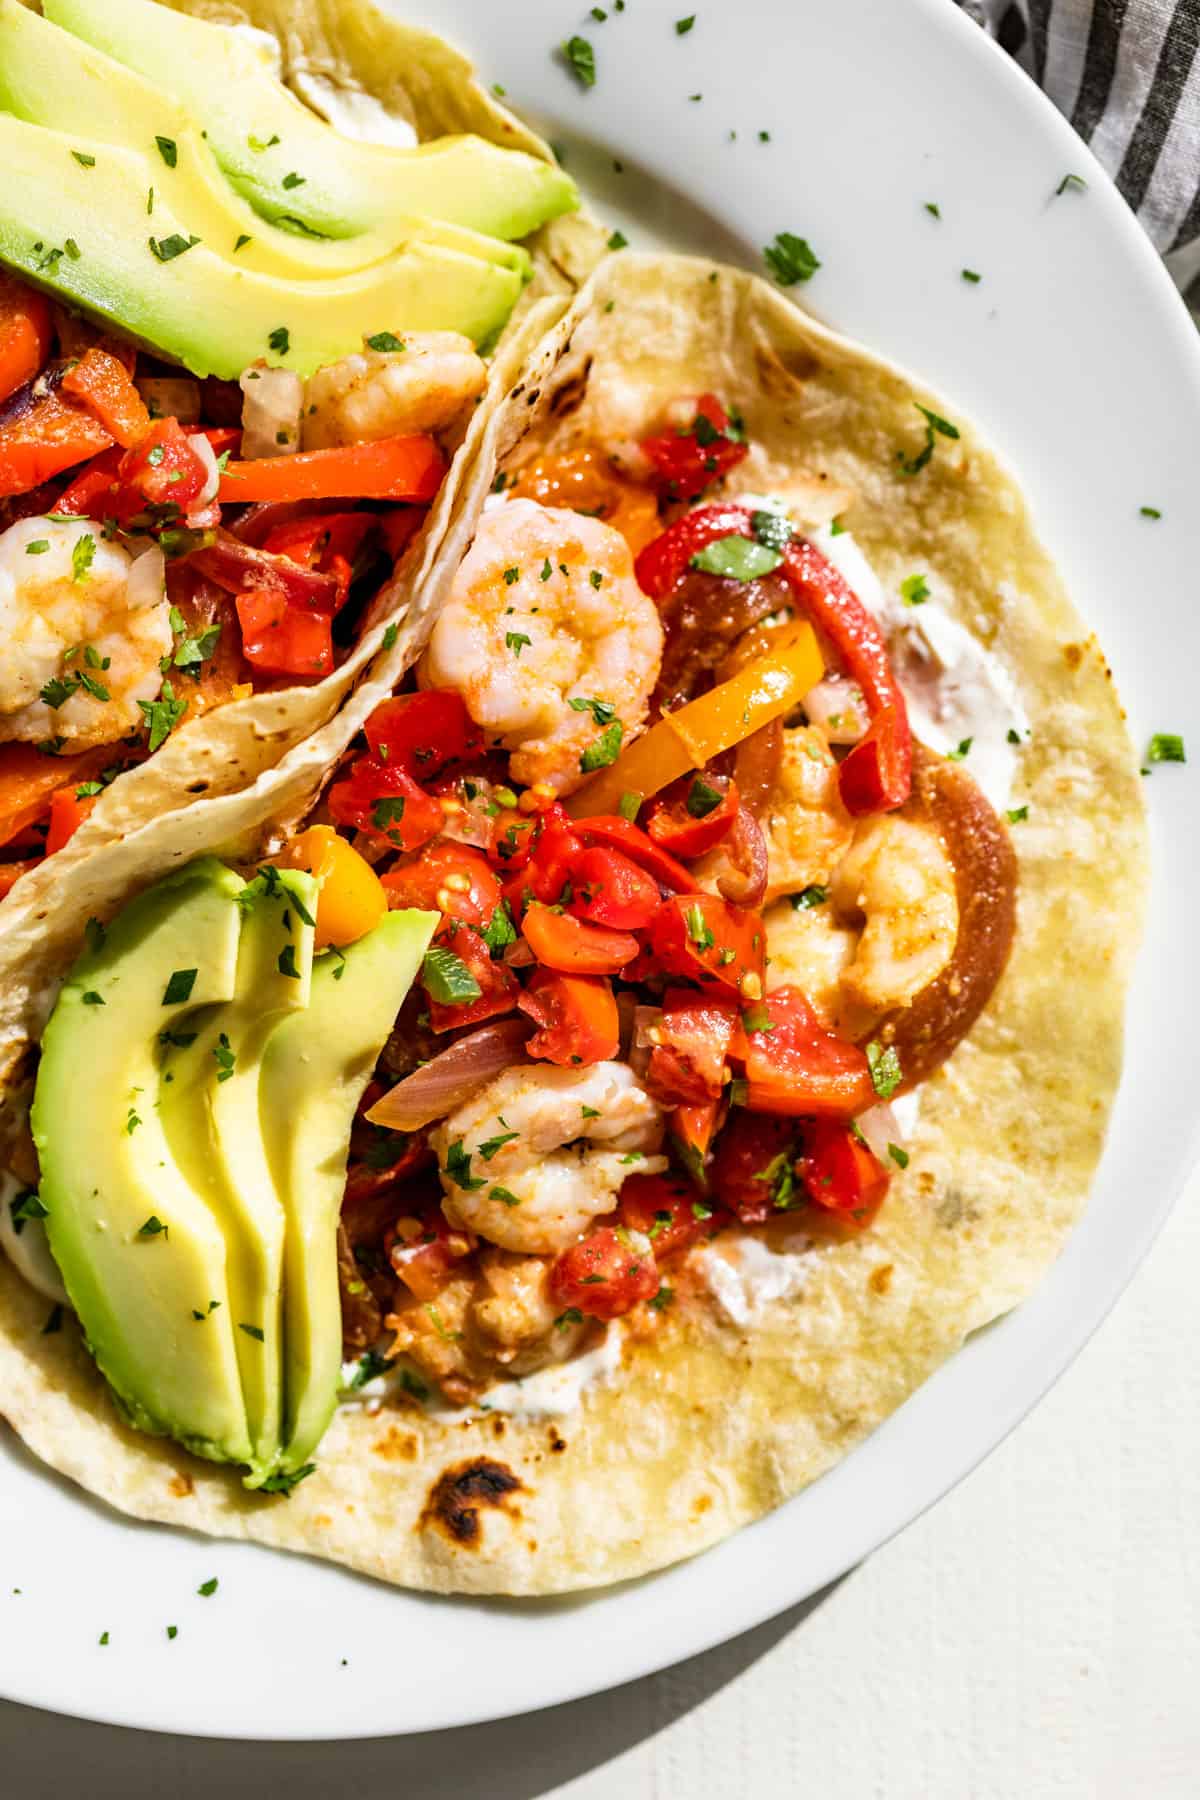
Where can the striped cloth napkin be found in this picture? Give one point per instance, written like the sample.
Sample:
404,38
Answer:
1127,75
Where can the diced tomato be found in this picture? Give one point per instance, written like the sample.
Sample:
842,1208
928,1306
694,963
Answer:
514,835
499,991
162,470
282,639
704,938
25,332
425,1251
48,436
689,1067
547,868
393,468
451,878
381,799
752,1171
692,1130
604,1276
665,1208
797,1068
576,1016
85,495
369,1173
841,1174
692,815
608,888
689,461
664,563
423,733
562,942
67,813
611,832
102,384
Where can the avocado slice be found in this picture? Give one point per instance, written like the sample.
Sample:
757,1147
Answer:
314,1070
215,1126
93,242
48,77
344,186
142,1256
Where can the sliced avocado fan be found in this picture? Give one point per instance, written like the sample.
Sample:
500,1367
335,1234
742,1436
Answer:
50,78
289,163
114,247
192,1114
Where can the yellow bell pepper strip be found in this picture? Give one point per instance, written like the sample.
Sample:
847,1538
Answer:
350,899
691,736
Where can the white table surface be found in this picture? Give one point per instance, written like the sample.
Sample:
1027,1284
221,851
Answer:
1037,1634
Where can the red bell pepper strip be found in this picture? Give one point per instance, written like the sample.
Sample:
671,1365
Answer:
28,781
43,439
686,462
378,798
102,385
423,733
794,1067
841,1174
239,568
604,1276
67,813
877,774
608,888
282,639
576,1016
86,494
25,331
576,948
394,468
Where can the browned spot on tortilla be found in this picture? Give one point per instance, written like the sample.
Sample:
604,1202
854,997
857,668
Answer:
181,1486
397,1446
557,1443
881,1278
499,1427
1072,655
322,1519
458,1494
700,1505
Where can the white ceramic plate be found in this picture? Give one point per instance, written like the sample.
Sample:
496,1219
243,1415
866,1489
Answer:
1075,355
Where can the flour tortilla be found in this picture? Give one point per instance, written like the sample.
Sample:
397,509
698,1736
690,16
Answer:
325,50
709,1424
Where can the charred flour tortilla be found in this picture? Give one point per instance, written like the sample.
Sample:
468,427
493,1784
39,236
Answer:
661,1462
334,56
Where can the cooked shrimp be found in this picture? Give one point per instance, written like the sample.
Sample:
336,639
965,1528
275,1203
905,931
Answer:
83,627
548,638
542,1151
811,950
897,878
806,827
380,393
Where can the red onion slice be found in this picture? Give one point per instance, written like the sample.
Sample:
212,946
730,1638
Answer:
454,1077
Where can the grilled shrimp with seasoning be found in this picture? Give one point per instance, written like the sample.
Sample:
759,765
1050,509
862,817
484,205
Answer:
898,880
84,624
550,641
422,385
541,1152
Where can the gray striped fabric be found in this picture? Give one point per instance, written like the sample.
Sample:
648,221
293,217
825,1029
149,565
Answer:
1127,75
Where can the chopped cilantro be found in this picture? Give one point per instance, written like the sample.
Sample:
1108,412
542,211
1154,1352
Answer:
933,209
629,806
809,897
493,1145
914,590
254,1331
1166,746
511,575
83,159
601,710
54,1319
701,798
505,1195
581,59
1016,815
257,143
886,1074
243,238
899,1157
572,1316
287,962
369,1366
168,248
458,1168
1070,181
26,1206
1147,512
167,150
447,979
390,636
292,180
207,1588
280,340
285,1480
500,930
772,529
964,749
757,1018
179,987
516,641
39,547
618,241
83,554
791,259
92,998
226,1058
935,426
683,26
385,340
162,715
971,275
736,558
596,578
603,750
663,1298
153,1227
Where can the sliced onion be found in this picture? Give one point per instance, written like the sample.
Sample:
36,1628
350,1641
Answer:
237,567
258,522
171,397
199,444
519,955
147,579
627,1009
272,403
737,868
756,766
454,1077
881,1128
837,706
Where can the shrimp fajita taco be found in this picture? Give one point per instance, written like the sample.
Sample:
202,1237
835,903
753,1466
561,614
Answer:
689,1008
252,265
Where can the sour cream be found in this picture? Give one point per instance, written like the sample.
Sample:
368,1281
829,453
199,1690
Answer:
26,1245
744,1274
550,1393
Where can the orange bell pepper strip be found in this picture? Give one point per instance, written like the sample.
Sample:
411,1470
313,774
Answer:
350,898
29,780
47,438
68,810
394,468
691,736
575,947
102,384
25,332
